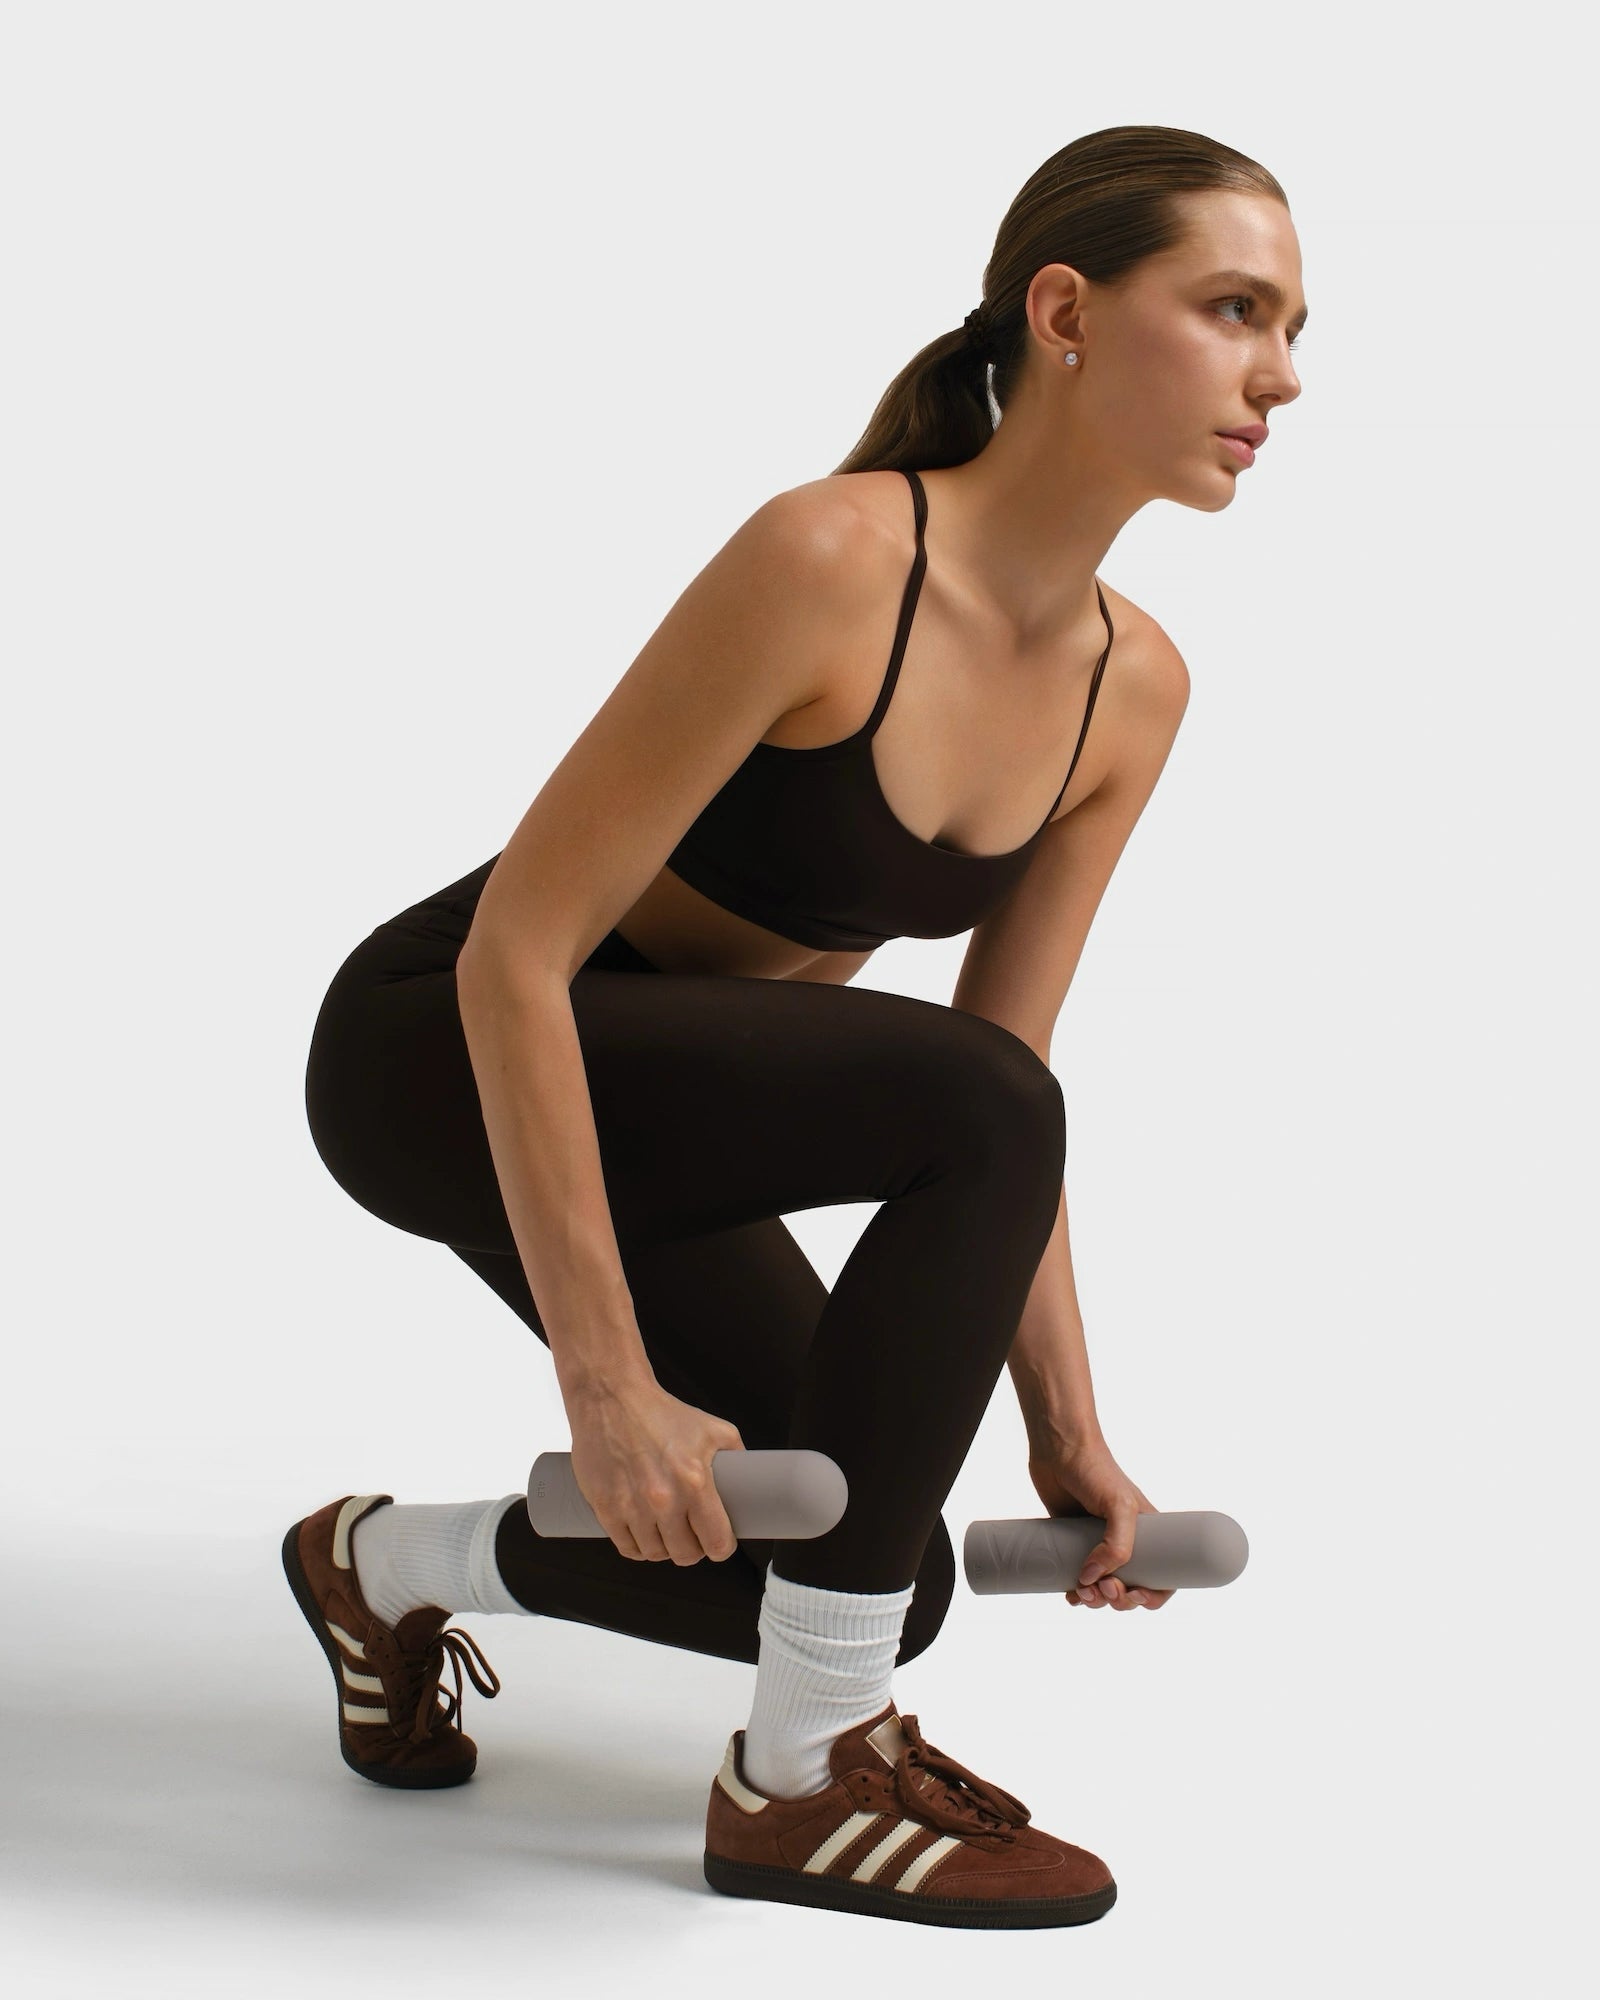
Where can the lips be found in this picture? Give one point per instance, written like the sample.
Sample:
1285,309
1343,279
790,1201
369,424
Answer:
1238,446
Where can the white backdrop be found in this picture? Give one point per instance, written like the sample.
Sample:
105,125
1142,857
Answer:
376,377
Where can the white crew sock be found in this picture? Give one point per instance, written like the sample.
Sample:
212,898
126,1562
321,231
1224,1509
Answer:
825,1662
408,1556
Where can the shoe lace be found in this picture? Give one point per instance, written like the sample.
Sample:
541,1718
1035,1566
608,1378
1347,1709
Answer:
950,1796
417,1671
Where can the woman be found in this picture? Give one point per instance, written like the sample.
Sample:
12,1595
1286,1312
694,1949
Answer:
604,1065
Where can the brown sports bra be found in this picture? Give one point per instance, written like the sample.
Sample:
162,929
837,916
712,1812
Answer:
802,841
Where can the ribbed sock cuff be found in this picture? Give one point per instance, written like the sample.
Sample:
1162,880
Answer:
444,1555
825,1664
489,1590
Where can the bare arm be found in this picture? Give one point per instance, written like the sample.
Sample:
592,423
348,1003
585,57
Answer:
1049,1357
746,642
523,1042
1017,971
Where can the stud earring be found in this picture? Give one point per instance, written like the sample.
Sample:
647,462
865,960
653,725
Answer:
1071,360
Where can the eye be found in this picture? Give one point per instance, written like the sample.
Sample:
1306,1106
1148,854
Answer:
1244,299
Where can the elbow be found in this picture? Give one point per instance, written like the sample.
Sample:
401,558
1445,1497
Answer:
491,968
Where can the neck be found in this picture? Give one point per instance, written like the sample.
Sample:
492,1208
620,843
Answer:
1026,530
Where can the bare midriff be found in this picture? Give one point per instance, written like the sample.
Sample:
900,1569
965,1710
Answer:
680,930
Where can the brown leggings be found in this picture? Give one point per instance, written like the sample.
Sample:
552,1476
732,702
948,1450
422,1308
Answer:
721,1104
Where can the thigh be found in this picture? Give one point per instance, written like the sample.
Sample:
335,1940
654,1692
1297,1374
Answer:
726,1320
718,1101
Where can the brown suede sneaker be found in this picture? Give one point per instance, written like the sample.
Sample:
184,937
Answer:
394,1727
903,1831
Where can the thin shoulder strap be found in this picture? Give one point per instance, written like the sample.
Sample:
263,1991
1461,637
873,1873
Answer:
1094,689
908,605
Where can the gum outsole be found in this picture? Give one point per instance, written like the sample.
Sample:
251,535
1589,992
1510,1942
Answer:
787,1885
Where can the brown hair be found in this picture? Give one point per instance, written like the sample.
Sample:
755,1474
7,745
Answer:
1102,204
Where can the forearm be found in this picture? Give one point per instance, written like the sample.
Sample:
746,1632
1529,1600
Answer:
523,1044
1049,1361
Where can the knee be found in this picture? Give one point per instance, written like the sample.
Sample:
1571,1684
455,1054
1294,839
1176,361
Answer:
936,1584
1001,1095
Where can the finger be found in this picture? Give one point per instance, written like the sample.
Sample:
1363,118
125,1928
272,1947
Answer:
1095,1565
682,1544
1120,1530
684,1548
1114,1546
626,1543
647,1537
709,1523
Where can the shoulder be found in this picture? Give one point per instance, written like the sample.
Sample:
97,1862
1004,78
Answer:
809,558
810,566
1145,692
849,527
1151,673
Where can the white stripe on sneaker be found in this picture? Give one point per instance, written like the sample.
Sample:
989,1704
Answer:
929,1858
355,1712
900,1832
837,1842
879,1857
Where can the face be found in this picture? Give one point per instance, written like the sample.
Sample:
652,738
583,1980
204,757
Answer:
1177,352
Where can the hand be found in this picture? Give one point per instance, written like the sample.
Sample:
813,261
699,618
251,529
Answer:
642,1460
1086,1479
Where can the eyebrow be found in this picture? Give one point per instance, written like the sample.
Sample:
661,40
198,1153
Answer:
1273,294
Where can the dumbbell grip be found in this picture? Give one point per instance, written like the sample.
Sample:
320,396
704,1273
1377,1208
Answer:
1182,1551
786,1496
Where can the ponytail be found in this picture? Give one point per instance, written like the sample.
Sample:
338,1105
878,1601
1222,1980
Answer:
1103,204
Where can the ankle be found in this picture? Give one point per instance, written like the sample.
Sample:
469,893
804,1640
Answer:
442,1555
825,1665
